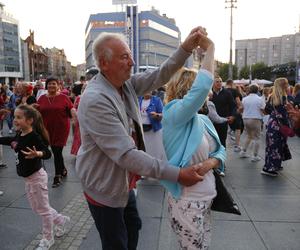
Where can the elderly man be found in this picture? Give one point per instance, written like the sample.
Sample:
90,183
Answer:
112,138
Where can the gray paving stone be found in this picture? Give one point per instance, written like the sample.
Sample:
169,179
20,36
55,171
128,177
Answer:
280,235
237,235
17,228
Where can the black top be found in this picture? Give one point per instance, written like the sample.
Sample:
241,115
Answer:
224,102
27,167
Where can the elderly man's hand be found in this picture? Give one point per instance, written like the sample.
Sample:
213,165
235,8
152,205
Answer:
197,37
294,114
189,176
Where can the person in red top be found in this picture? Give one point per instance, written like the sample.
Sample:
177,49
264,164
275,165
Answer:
55,108
76,138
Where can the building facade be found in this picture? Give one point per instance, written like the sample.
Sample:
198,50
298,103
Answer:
37,59
10,48
271,51
58,65
152,37
80,70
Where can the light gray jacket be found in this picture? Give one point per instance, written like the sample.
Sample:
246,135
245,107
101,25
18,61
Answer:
107,149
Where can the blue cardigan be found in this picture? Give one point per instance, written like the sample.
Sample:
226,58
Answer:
156,106
183,128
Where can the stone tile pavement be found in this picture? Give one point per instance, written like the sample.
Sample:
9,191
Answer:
270,209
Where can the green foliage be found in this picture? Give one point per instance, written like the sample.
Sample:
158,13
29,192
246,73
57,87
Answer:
222,71
244,72
259,71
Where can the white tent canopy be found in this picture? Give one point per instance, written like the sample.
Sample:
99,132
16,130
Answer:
257,81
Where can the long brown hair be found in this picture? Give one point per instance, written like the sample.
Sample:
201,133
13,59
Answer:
38,124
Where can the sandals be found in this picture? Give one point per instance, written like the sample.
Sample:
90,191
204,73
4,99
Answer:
56,181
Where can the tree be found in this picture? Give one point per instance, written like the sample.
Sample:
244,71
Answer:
223,71
258,71
261,71
244,72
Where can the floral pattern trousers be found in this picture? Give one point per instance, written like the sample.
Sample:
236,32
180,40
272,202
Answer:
191,222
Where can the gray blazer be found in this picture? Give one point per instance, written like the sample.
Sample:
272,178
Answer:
108,152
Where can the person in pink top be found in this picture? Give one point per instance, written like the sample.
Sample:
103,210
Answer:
55,108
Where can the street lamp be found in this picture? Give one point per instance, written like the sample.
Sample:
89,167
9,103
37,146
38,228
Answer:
231,6
250,70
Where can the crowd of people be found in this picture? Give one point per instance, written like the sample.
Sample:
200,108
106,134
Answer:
128,125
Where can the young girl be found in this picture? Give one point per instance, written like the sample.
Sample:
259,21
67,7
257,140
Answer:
31,146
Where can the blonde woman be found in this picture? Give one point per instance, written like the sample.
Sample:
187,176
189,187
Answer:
190,138
277,149
296,94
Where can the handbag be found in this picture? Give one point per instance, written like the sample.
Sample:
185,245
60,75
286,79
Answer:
285,130
223,202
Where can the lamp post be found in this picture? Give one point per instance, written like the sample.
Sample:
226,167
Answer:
230,6
250,69
250,73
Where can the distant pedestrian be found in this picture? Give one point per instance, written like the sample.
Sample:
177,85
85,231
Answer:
56,109
253,108
277,149
31,145
76,135
151,112
225,106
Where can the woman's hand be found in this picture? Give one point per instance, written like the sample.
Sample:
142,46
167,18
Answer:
32,153
157,116
194,38
207,165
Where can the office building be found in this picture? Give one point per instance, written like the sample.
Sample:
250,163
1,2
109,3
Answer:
152,37
10,48
271,51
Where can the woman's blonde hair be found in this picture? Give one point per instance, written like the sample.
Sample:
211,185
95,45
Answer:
279,90
180,84
296,89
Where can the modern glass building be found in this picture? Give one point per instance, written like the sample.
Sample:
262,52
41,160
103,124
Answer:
152,37
10,48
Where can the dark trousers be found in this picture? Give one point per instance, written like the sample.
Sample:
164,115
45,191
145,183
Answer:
222,132
58,159
118,227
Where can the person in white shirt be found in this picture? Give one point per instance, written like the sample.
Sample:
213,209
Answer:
253,106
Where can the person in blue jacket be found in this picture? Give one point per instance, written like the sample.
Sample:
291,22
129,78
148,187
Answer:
190,138
151,108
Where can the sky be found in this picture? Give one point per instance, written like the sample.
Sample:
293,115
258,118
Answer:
61,24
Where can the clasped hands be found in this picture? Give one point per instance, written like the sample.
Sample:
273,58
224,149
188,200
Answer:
189,176
197,38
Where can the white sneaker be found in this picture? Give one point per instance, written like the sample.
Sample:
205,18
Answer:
237,148
243,154
255,158
61,229
45,244
1,193
10,131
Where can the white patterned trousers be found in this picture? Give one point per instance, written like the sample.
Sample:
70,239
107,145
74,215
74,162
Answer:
191,222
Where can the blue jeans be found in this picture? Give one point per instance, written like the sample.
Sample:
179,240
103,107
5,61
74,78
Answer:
118,227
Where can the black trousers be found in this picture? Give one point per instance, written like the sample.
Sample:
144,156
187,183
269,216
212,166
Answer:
58,159
118,227
222,132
